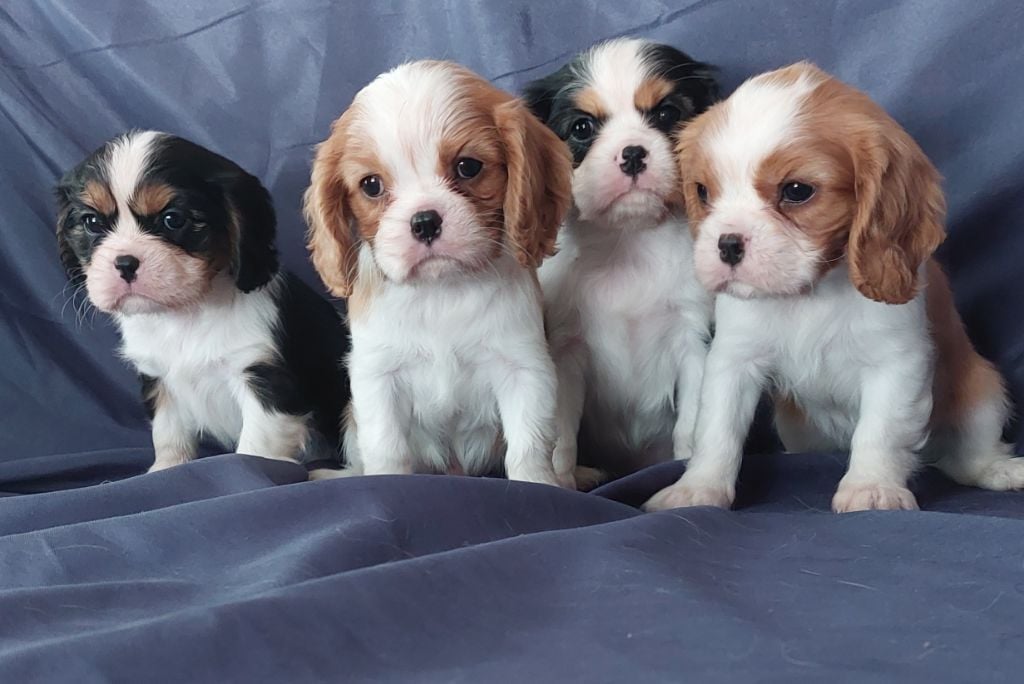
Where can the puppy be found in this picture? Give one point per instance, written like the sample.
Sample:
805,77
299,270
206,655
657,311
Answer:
177,244
432,203
628,321
815,218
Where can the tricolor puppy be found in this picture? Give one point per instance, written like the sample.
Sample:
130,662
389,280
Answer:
815,218
432,203
177,244
628,321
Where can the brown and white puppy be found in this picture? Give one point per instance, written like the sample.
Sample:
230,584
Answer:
176,243
432,203
815,217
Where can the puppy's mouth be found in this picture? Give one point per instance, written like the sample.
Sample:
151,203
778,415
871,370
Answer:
433,265
131,302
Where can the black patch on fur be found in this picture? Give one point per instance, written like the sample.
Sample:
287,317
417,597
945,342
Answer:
150,389
552,98
212,188
308,376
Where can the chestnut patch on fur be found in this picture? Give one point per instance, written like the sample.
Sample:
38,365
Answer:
589,100
651,92
98,196
151,198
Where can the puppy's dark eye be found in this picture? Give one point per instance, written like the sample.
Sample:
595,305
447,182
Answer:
583,129
372,186
702,193
666,116
174,220
93,224
796,193
468,167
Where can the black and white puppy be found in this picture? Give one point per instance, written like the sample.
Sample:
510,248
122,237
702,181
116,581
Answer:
177,244
627,319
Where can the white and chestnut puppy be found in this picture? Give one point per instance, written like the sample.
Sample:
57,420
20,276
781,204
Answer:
815,218
432,203
177,244
628,321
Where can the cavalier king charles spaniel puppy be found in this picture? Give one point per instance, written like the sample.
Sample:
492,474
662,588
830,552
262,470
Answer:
628,321
177,244
816,216
432,202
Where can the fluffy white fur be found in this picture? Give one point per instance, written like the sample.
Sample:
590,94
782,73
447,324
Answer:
446,372
628,321
200,353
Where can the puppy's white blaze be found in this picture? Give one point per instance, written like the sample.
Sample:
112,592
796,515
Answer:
619,69
129,158
760,118
406,140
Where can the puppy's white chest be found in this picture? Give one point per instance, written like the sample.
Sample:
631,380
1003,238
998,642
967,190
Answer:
200,357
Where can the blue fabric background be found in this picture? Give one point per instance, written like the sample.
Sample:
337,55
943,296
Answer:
235,567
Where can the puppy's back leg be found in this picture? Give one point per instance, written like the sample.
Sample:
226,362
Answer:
968,444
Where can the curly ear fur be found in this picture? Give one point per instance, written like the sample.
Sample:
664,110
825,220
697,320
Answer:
539,190
330,238
898,222
68,259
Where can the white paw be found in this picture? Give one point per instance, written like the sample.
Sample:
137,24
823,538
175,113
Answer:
1002,475
684,494
331,473
165,463
566,480
872,496
682,450
535,474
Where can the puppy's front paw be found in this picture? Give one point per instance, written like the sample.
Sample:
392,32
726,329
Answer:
872,496
1001,476
163,462
536,474
684,494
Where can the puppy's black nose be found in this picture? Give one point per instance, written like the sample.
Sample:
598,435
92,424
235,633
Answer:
730,248
633,160
426,225
127,265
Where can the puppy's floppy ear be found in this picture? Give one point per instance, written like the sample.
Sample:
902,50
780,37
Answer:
331,239
540,95
253,230
539,190
68,258
898,222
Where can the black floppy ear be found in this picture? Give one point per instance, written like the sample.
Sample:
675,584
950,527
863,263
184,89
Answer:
540,95
253,230
68,259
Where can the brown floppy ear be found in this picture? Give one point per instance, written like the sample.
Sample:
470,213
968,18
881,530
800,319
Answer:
331,239
898,222
539,189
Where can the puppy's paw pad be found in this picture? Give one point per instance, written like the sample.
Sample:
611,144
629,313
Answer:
682,495
872,497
